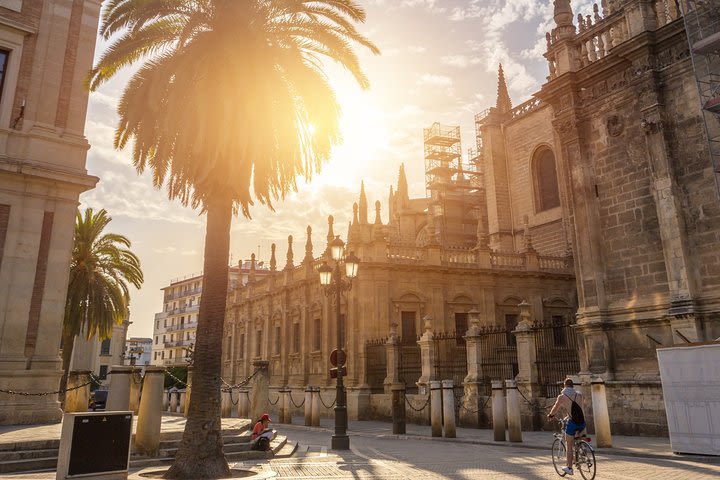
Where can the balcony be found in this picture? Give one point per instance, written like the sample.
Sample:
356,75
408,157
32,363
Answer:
182,326
176,362
179,343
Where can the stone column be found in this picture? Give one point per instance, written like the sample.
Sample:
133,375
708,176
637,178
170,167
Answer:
244,403
600,413
166,401
135,384
188,391
427,356
471,414
315,407
308,405
285,416
526,354
448,393
392,352
259,399
173,401
513,411
77,399
119,394
398,408
147,436
182,400
498,411
436,408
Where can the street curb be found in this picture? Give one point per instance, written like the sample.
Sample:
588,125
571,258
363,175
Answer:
471,441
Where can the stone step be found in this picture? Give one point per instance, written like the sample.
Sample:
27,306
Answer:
27,465
6,456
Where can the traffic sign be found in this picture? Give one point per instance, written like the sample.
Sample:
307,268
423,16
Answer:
334,358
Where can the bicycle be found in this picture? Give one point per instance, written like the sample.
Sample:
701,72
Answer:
583,453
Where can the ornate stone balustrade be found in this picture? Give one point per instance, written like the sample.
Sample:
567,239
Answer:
507,261
459,256
554,263
405,254
526,107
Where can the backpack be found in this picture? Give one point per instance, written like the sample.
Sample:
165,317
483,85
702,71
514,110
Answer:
576,412
262,444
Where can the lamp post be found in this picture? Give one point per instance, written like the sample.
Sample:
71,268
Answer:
331,279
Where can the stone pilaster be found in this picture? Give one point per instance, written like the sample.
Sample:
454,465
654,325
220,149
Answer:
527,376
427,356
471,400
392,352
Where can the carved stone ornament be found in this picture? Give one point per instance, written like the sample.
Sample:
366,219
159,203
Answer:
614,125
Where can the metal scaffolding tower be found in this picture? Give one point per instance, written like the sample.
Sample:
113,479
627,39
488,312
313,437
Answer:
702,24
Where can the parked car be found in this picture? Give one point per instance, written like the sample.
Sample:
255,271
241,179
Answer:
97,400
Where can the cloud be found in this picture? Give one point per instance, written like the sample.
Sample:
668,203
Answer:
460,61
434,80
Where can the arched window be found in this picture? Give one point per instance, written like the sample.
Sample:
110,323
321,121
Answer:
547,195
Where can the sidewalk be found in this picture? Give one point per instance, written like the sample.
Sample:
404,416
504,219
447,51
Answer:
642,447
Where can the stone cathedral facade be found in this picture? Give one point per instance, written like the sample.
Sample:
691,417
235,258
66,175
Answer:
594,202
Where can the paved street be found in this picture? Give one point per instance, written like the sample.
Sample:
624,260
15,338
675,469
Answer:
390,458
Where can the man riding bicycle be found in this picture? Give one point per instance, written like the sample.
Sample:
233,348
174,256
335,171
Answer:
570,401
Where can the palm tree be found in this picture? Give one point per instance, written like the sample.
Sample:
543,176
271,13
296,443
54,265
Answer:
100,269
229,105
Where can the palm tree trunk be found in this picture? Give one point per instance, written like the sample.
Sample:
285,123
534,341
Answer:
201,452
68,345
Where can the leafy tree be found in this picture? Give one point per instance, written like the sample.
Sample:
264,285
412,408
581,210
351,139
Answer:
101,266
229,105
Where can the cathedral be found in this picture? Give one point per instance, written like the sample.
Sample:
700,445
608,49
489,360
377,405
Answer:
590,210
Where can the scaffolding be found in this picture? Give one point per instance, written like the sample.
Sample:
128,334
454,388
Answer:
702,24
447,180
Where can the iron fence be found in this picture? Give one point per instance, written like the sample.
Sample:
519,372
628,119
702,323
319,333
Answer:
376,364
450,357
556,349
410,365
498,356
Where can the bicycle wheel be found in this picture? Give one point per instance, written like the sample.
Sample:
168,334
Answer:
559,457
585,460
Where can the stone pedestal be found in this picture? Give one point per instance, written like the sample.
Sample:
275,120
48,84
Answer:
448,394
182,401
119,394
471,414
358,402
526,351
135,389
392,353
166,401
225,405
513,411
398,408
427,356
315,407
285,416
77,399
259,399
436,408
147,436
600,414
498,411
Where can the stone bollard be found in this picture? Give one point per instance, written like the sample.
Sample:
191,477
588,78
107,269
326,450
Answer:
513,411
315,407
243,403
166,401
173,401
436,408
259,399
135,384
77,399
448,393
147,436
398,408
225,404
285,416
600,413
498,411
308,405
119,394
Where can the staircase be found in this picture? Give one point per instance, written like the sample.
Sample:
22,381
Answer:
42,455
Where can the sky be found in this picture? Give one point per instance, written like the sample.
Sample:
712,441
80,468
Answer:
439,63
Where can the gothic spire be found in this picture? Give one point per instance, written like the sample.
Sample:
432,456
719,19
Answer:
289,263
378,221
503,103
273,261
402,189
251,276
355,214
308,246
330,234
363,204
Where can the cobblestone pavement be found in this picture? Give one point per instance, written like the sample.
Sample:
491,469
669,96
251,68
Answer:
423,459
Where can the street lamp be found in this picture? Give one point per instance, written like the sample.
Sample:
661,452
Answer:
333,283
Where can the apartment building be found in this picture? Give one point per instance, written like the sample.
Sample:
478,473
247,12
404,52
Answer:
175,327
138,351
